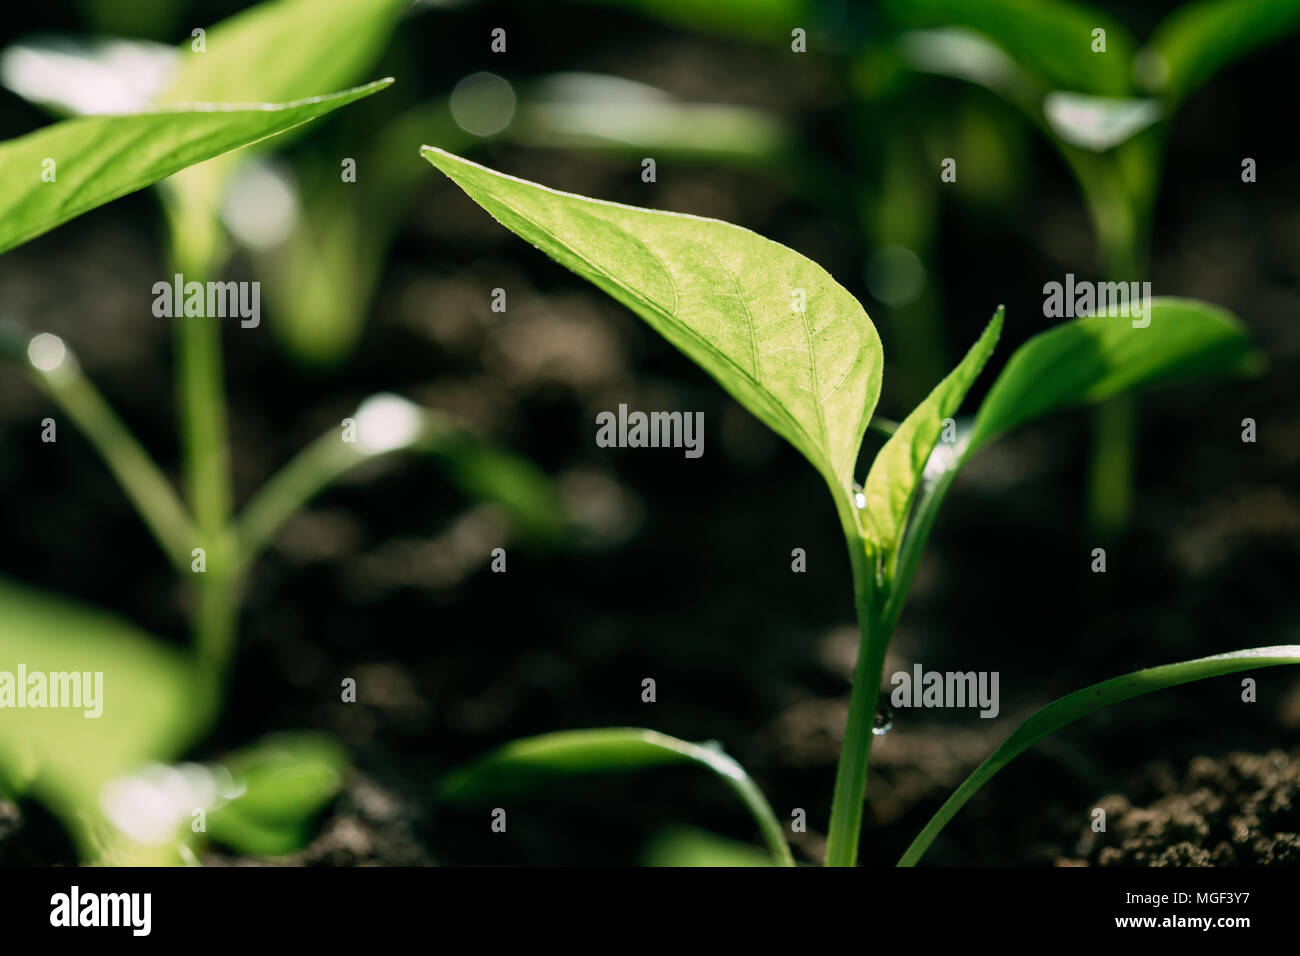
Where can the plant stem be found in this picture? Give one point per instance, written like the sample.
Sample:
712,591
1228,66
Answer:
847,804
195,251
1111,472
143,483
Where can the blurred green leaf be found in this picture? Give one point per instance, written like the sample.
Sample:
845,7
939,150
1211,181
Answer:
284,50
897,468
523,766
100,158
1066,710
1051,39
280,49
1199,39
1098,123
689,846
281,783
484,472
772,327
1095,358
152,705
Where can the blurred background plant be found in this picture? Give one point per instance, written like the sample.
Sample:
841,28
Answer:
262,799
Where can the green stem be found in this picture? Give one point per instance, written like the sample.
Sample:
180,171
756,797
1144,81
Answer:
1111,473
143,483
196,244
848,802
1120,207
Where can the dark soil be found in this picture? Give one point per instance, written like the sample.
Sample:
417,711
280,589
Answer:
1243,810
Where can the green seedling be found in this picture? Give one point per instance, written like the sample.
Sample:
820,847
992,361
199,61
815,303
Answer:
800,353
1106,105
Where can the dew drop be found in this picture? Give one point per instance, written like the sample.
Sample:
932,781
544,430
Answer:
884,721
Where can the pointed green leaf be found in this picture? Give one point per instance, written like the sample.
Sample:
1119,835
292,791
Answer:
1199,39
1071,707
100,158
774,329
284,50
894,474
1094,358
524,765
1084,360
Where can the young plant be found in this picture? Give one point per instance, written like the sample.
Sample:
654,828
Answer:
799,352
1106,105
101,776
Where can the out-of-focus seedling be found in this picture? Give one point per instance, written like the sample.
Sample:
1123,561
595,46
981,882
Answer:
159,702
1106,105
723,296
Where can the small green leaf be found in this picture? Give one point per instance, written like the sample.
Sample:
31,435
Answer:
894,474
281,783
99,158
1091,359
1199,39
772,327
1071,707
484,472
525,765
1083,360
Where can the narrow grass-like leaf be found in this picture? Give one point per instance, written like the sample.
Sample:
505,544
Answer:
1199,39
525,765
771,326
1071,707
1091,359
898,466
100,158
